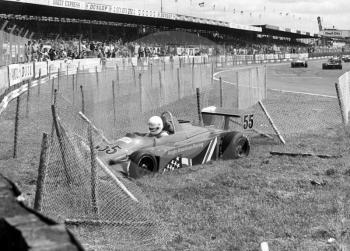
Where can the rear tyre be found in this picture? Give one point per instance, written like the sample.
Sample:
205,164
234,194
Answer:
305,65
141,164
235,145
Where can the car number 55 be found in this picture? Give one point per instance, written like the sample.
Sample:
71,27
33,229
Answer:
248,121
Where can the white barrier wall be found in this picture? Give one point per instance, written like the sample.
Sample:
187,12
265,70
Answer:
3,80
20,72
344,95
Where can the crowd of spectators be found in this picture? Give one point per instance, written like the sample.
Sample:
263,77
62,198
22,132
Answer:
53,49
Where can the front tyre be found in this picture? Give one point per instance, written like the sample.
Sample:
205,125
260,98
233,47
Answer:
141,164
235,145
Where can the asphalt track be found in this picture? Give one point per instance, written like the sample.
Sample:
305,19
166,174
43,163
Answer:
309,80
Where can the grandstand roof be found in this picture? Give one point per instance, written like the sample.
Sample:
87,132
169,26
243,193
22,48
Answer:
285,32
76,9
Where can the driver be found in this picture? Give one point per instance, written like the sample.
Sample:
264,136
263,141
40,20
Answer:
155,125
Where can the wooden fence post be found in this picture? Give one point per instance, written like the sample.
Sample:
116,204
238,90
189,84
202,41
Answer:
97,78
94,177
160,89
280,137
199,107
237,87
16,127
60,141
28,99
82,99
113,102
140,90
178,84
221,93
41,173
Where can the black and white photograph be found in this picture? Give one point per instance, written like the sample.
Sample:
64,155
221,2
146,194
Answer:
156,125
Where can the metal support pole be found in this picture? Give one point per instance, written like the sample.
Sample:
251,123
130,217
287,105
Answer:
199,106
41,173
16,127
93,172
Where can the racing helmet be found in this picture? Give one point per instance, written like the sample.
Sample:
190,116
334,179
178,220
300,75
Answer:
155,125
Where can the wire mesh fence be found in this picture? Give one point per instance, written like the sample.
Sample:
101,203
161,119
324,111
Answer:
119,100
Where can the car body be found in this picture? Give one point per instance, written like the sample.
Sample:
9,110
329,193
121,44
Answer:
138,154
299,62
346,58
333,63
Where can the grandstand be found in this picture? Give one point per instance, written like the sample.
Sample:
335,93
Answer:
79,26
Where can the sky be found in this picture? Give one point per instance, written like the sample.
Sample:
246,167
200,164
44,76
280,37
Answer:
294,14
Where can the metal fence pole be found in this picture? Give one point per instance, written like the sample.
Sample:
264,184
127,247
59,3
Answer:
41,173
82,99
93,172
113,102
199,106
221,93
16,127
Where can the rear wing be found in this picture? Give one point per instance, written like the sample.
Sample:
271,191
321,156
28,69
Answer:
208,114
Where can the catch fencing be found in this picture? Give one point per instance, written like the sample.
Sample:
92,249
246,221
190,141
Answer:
119,97
12,48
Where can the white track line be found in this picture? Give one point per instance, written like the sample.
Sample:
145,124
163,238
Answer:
304,93
284,91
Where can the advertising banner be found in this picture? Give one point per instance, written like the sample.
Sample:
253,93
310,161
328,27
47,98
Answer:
72,4
99,7
20,72
40,69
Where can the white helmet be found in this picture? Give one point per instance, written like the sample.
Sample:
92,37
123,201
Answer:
155,125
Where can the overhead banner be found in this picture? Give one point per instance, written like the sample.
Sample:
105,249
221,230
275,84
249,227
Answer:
20,72
68,4
99,7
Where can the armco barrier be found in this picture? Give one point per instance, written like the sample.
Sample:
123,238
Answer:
343,92
3,80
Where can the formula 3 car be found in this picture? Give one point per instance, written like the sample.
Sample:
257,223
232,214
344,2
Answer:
138,154
332,63
298,62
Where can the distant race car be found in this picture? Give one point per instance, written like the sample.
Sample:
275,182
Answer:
346,58
138,154
332,63
298,62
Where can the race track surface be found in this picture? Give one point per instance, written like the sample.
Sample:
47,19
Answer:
310,80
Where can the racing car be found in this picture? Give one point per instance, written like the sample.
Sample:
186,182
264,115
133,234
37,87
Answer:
298,62
137,154
346,58
332,63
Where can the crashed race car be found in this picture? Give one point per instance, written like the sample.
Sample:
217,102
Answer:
138,154
298,62
332,63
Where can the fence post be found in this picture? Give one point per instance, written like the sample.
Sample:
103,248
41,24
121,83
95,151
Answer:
60,141
140,90
58,78
151,75
82,99
113,102
178,84
221,91
16,127
41,173
117,69
39,82
193,85
199,106
237,86
160,89
97,78
67,74
73,80
28,99
280,137
212,74
133,74
93,172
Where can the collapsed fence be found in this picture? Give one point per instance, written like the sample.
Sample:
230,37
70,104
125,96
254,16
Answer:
118,100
